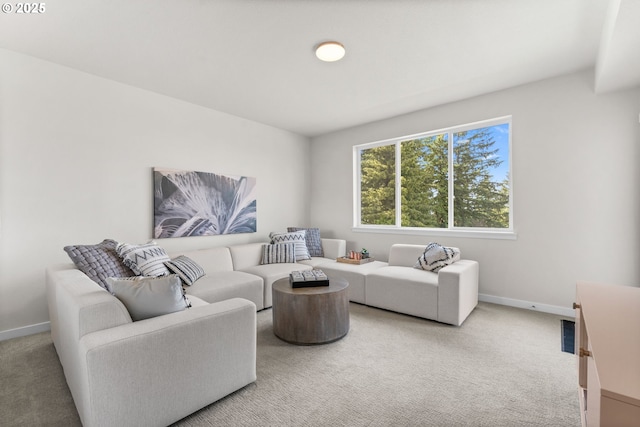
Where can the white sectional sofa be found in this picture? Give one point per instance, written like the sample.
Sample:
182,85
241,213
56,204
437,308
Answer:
159,370
447,296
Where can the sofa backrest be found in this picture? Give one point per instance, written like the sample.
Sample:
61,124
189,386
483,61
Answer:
247,255
405,255
211,259
334,248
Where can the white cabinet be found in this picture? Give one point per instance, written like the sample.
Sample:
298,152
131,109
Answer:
608,350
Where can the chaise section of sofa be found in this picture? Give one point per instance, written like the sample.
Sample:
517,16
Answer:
150,372
448,296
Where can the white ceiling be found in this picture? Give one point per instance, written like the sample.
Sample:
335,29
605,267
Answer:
255,59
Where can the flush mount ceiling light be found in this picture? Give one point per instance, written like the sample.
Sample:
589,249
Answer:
330,51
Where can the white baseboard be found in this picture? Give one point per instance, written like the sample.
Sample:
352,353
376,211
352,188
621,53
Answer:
25,330
545,308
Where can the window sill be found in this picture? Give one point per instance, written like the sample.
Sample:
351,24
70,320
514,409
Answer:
474,234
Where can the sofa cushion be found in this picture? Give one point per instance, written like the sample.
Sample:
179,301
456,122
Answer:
187,269
405,290
312,240
296,237
272,272
278,253
224,285
144,260
436,256
147,297
99,261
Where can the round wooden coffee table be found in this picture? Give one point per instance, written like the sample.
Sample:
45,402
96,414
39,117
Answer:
308,316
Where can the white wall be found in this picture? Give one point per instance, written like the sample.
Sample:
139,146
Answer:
76,159
575,172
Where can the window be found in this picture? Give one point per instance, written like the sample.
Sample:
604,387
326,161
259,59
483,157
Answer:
455,179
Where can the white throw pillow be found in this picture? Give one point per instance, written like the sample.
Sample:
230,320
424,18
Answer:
436,256
144,260
296,237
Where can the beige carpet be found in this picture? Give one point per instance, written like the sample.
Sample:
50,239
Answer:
503,367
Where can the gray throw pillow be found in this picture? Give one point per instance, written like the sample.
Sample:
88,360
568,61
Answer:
99,261
312,239
147,297
187,269
436,256
278,253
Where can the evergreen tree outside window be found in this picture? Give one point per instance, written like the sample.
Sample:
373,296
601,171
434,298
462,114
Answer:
456,178
377,186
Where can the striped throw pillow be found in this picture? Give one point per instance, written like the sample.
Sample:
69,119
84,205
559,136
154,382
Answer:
296,237
278,253
187,269
312,239
144,260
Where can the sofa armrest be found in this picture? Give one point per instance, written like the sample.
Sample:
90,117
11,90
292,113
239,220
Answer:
159,370
334,248
457,291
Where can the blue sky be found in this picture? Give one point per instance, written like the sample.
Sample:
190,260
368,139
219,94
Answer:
500,135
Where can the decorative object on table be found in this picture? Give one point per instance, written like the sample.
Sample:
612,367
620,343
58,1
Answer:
347,260
189,203
308,278
356,257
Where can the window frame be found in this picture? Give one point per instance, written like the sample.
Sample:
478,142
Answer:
451,230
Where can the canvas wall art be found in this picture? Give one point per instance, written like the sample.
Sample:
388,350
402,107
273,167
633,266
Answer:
189,203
